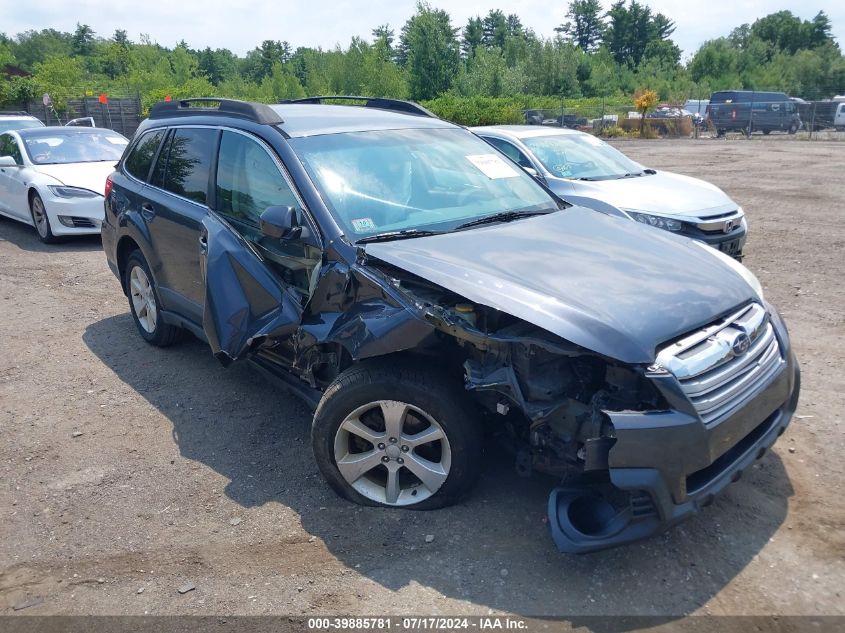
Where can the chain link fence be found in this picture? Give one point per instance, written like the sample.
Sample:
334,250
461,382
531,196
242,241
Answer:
759,113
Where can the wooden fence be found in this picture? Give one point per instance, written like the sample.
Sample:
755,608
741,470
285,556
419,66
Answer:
121,115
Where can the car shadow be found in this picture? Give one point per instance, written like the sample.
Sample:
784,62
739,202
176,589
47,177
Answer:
493,549
25,238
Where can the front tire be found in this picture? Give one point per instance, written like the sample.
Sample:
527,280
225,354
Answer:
396,435
145,305
40,219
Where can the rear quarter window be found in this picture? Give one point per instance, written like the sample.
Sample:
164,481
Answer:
141,157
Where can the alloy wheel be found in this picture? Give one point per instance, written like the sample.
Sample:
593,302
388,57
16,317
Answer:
143,299
392,452
39,214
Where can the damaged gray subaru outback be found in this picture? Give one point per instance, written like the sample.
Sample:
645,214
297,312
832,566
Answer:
420,292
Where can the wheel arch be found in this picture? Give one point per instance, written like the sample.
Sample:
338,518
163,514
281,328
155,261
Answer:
131,238
125,247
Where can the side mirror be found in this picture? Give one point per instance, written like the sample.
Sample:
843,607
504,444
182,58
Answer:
279,223
8,161
533,173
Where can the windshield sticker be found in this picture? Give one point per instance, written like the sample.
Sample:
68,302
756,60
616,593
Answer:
363,225
492,166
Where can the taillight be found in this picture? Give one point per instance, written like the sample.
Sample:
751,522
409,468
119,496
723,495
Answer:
109,185
733,114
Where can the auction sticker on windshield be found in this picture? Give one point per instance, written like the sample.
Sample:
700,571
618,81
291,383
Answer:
362,225
492,166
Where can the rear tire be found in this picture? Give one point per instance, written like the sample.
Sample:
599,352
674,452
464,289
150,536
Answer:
40,219
405,436
144,303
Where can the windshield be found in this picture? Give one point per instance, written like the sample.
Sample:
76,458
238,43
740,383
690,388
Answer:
56,149
18,124
419,179
580,156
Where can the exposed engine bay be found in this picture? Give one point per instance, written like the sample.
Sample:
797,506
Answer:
545,397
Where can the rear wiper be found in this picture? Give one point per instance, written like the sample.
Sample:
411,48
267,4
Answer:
396,235
504,216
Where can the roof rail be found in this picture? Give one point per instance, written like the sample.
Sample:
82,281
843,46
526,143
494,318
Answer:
382,103
257,112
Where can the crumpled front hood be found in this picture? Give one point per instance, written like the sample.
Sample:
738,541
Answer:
664,192
607,284
91,176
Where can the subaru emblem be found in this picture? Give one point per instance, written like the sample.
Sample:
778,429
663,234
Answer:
740,344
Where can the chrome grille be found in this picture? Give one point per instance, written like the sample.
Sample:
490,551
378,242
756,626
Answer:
723,223
718,365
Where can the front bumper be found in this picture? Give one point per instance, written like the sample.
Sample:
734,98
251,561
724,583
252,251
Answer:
74,216
731,243
672,465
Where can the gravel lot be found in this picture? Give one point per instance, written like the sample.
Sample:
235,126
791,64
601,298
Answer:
128,471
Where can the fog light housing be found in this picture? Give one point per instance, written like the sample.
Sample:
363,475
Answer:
66,220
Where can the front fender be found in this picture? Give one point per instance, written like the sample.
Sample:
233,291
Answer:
362,314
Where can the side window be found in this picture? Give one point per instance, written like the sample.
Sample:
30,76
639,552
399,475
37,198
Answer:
510,151
140,160
189,163
9,147
248,180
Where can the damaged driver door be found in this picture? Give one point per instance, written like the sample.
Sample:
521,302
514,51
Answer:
258,253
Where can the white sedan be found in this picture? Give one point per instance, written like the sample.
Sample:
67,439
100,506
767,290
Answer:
54,178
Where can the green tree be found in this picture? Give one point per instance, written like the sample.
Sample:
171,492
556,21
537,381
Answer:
715,59
585,27
32,47
471,37
82,41
382,77
281,84
217,65
632,28
494,28
431,52
121,38
384,34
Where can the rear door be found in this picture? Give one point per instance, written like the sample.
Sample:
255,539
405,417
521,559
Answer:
255,287
174,206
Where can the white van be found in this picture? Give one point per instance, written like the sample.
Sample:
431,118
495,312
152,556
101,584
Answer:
839,117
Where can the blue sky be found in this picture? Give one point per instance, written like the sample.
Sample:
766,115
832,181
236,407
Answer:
241,24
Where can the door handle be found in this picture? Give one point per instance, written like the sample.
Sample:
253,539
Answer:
147,211
203,240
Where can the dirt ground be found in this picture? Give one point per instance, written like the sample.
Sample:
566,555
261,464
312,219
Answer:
128,471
